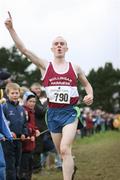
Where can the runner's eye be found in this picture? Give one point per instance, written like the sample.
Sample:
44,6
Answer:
62,43
56,43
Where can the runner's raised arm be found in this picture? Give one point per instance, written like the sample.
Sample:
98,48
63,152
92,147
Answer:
41,63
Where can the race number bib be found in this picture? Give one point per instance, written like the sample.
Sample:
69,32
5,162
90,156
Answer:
59,94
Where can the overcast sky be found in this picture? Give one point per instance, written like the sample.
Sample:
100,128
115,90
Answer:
91,28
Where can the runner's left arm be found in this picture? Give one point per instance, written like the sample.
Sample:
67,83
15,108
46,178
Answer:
88,99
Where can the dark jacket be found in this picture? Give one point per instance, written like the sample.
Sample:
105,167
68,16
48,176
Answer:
16,118
40,111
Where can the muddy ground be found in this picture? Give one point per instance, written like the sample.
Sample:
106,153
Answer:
97,158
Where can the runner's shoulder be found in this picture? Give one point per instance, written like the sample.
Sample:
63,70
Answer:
77,69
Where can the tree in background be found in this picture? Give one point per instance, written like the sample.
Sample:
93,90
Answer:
106,84
14,62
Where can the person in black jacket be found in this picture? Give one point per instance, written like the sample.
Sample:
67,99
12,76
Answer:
40,110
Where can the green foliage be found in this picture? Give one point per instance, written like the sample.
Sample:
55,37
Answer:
12,60
105,82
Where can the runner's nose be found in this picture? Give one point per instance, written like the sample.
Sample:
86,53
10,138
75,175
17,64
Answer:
59,46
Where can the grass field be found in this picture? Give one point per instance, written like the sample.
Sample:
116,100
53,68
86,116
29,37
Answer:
97,158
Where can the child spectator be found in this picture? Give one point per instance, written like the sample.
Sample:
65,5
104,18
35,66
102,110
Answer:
16,119
28,146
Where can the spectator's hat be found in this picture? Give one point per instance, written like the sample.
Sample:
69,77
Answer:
27,95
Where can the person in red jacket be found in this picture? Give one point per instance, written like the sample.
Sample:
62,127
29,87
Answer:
28,146
89,124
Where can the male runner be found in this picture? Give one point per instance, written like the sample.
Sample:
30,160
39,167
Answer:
60,81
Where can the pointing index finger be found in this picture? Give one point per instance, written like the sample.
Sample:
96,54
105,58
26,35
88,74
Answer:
9,15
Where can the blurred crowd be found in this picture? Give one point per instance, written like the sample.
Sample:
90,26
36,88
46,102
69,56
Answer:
96,121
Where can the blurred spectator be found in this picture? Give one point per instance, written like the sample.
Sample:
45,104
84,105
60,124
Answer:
89,124
40,110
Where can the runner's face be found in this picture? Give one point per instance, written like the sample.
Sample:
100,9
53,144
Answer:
59,47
